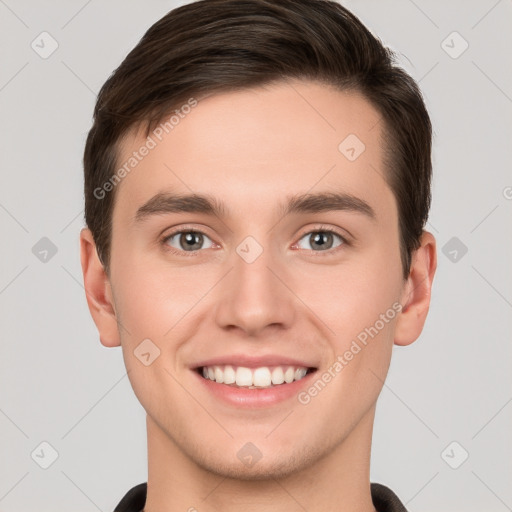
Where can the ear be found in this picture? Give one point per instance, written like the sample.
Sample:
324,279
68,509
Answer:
98,291
415,298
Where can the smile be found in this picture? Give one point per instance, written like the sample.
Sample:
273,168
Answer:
254,387
254,378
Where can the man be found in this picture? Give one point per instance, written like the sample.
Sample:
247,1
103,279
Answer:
257,180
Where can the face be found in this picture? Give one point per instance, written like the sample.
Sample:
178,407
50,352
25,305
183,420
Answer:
272,280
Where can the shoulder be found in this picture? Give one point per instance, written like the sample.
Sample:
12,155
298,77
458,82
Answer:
385,500
134,500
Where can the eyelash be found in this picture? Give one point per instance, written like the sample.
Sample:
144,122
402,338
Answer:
319,229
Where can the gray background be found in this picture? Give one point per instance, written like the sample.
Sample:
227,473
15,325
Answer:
59,385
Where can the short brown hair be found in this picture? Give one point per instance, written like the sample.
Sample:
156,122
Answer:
212,46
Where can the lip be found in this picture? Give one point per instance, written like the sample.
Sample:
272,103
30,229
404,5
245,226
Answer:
253,362
254,398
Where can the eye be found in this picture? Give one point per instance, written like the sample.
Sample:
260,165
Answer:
322,240
192,241
187,241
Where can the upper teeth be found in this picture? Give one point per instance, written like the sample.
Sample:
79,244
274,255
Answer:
260,377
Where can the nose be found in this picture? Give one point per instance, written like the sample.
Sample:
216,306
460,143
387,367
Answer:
256,296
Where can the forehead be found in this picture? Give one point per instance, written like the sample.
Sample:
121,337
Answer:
249,148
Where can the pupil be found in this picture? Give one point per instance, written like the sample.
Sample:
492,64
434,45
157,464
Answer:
319,240
192,240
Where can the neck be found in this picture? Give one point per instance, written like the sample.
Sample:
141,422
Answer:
338,481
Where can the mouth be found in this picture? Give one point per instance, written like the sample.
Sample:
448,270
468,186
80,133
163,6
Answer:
263,377
243,380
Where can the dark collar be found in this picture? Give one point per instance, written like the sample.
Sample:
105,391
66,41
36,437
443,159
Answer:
384,499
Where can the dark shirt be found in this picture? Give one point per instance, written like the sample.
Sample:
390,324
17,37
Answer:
384,499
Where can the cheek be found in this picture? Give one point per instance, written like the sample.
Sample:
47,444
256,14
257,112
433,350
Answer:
151,297
152,305
358,304
352,296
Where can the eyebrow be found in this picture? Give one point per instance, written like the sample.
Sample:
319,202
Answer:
165,202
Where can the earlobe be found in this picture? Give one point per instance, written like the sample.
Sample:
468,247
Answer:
416,294
98,291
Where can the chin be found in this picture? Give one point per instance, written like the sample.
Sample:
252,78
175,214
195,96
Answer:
264,466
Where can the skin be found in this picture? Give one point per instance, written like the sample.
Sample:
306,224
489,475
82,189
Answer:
251,149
